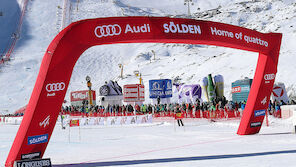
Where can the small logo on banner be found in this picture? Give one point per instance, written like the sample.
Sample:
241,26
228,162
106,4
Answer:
51,88
31,156
255,124
169,85
263,102
37,139
115,29
156,86
269,77
278,91
33,163
54,87
258,113
45,122
236,89
107,30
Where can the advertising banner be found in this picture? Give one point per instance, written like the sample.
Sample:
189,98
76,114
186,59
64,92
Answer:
122,120
77,97
156,89
161,88
189,93
133,93
279,93
205,87
240,90
168,88
219,85
33,163
211,88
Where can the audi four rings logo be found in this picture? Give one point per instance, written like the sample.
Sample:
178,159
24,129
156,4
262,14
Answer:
107,30
53,87
269,77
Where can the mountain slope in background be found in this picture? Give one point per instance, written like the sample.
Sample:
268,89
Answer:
9,15
188,62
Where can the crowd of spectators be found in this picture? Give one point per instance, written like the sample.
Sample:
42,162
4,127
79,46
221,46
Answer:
218,108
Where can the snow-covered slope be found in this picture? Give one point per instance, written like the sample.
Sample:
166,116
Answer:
188,62
9,15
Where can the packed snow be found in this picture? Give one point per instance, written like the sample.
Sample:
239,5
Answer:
163,143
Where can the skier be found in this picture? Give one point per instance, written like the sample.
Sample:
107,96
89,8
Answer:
179,115
62,121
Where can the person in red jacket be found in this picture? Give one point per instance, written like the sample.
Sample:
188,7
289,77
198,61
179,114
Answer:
137,108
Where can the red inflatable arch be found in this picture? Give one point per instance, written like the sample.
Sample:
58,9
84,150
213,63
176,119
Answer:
63,52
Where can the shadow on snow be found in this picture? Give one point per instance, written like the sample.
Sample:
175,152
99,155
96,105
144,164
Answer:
181,159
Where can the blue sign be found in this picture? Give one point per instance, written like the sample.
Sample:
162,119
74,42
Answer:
168,88
160,88
258,113
37,139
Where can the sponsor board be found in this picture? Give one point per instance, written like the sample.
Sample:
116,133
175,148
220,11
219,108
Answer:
133,93
258,113
37,139
33,163
255,124
77,97
82,95
161,88
31,156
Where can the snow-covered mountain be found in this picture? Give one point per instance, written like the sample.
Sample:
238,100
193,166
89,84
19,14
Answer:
190,63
